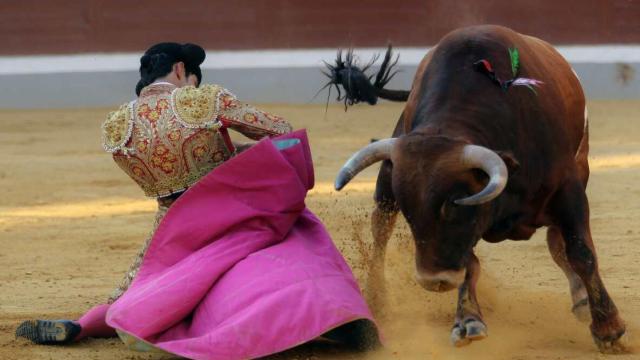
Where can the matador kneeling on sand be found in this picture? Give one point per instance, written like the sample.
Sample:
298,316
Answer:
186,292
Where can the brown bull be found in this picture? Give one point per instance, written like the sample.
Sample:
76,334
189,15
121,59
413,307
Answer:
473,158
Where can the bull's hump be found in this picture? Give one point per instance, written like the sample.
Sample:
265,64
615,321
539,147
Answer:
481,33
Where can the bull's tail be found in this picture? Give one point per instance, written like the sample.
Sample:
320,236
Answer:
357,85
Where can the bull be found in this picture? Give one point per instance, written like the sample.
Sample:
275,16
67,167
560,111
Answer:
476,157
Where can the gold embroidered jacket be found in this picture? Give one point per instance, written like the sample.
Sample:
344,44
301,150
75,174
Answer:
170,137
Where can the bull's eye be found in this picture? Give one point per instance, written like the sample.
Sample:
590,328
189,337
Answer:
447,210
452,213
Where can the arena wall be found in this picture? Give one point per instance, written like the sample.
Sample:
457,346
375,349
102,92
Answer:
68,26
85,53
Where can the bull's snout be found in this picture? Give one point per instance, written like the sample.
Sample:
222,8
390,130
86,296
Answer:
441,281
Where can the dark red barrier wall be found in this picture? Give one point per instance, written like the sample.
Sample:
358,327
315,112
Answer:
64,26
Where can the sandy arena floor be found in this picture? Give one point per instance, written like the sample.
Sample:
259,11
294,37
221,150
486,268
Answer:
71,221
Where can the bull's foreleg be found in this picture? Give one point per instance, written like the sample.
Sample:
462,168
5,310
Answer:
382,221
468,324
571,211
558,252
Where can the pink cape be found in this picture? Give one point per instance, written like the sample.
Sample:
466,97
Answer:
239,267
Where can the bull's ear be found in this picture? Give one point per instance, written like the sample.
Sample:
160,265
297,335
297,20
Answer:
510,160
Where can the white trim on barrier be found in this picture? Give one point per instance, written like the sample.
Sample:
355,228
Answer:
257,59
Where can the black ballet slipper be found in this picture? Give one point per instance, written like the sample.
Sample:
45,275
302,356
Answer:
48,332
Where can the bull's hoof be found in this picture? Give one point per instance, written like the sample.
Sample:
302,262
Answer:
612,345
464,333
608,335
458,336
581,311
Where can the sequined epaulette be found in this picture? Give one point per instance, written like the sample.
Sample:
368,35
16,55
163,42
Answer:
116,129
198,107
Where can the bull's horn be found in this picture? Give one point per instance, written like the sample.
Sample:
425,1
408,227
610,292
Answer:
372,153
478,157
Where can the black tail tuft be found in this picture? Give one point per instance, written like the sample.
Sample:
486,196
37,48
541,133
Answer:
357,86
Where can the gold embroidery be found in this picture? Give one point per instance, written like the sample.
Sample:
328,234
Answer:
166,153
159,175
197,107
234,111
116,130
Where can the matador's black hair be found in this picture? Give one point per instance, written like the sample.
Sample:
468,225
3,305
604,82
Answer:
158,61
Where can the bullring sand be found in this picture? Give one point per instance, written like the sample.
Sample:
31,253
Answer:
71,221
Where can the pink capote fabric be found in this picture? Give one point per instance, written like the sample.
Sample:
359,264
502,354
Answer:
239,267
